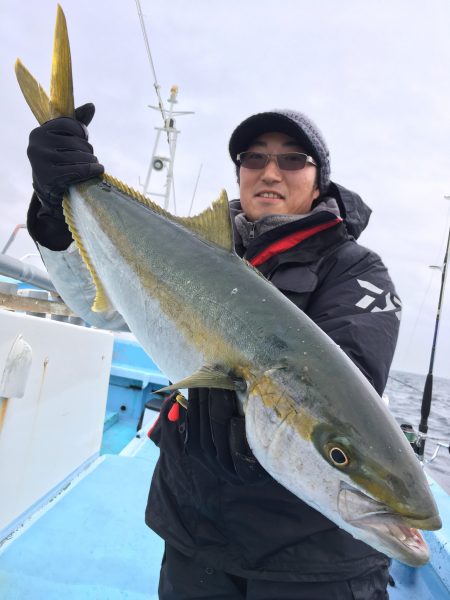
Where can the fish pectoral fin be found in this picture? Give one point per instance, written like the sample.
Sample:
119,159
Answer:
208,377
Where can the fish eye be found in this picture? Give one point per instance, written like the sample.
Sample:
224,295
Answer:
338,457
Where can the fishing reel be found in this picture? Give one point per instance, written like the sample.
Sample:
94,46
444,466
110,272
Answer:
417,442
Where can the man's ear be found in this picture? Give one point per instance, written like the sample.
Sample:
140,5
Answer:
316,192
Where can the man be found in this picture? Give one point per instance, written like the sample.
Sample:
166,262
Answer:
231,531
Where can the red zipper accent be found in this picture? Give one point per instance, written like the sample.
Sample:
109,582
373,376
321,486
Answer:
290,241
174,412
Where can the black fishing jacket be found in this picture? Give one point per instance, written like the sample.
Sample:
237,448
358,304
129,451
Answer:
203,503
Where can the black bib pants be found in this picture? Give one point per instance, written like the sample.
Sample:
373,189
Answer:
183,579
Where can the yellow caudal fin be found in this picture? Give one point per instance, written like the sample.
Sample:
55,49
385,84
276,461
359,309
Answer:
61,85
60,104
34,94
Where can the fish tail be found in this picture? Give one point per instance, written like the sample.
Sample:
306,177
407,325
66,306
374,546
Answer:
59,104
61,101
61,84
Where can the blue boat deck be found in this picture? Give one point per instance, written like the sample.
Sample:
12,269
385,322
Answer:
93,542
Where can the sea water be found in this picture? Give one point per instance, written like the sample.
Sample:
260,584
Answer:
405,392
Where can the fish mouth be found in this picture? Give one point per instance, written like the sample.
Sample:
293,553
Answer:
398,534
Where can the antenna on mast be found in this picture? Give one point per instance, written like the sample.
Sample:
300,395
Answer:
149,54
158,162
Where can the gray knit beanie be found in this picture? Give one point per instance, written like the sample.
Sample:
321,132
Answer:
292,123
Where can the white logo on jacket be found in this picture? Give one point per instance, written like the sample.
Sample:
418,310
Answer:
391,302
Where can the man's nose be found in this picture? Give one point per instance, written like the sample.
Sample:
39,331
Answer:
272,171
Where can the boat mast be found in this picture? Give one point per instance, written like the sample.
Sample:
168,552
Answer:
159,162
428,389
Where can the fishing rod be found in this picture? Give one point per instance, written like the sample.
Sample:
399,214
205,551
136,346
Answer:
419,445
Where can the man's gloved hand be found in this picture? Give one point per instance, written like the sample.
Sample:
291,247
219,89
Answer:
216,436
60,155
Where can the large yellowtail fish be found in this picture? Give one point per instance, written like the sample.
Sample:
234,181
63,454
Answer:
207,318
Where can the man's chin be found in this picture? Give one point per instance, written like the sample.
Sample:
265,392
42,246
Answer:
264,207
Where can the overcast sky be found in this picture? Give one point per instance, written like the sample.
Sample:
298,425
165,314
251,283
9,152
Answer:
374,76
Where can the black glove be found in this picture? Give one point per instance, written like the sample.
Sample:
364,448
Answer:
60,155
216,436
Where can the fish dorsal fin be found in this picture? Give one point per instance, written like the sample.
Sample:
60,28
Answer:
209,377
212,225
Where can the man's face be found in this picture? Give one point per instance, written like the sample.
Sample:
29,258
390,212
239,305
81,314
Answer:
271,190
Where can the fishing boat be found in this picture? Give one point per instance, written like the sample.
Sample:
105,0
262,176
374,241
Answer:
75,460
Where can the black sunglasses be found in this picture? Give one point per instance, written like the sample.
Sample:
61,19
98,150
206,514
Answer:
290,161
